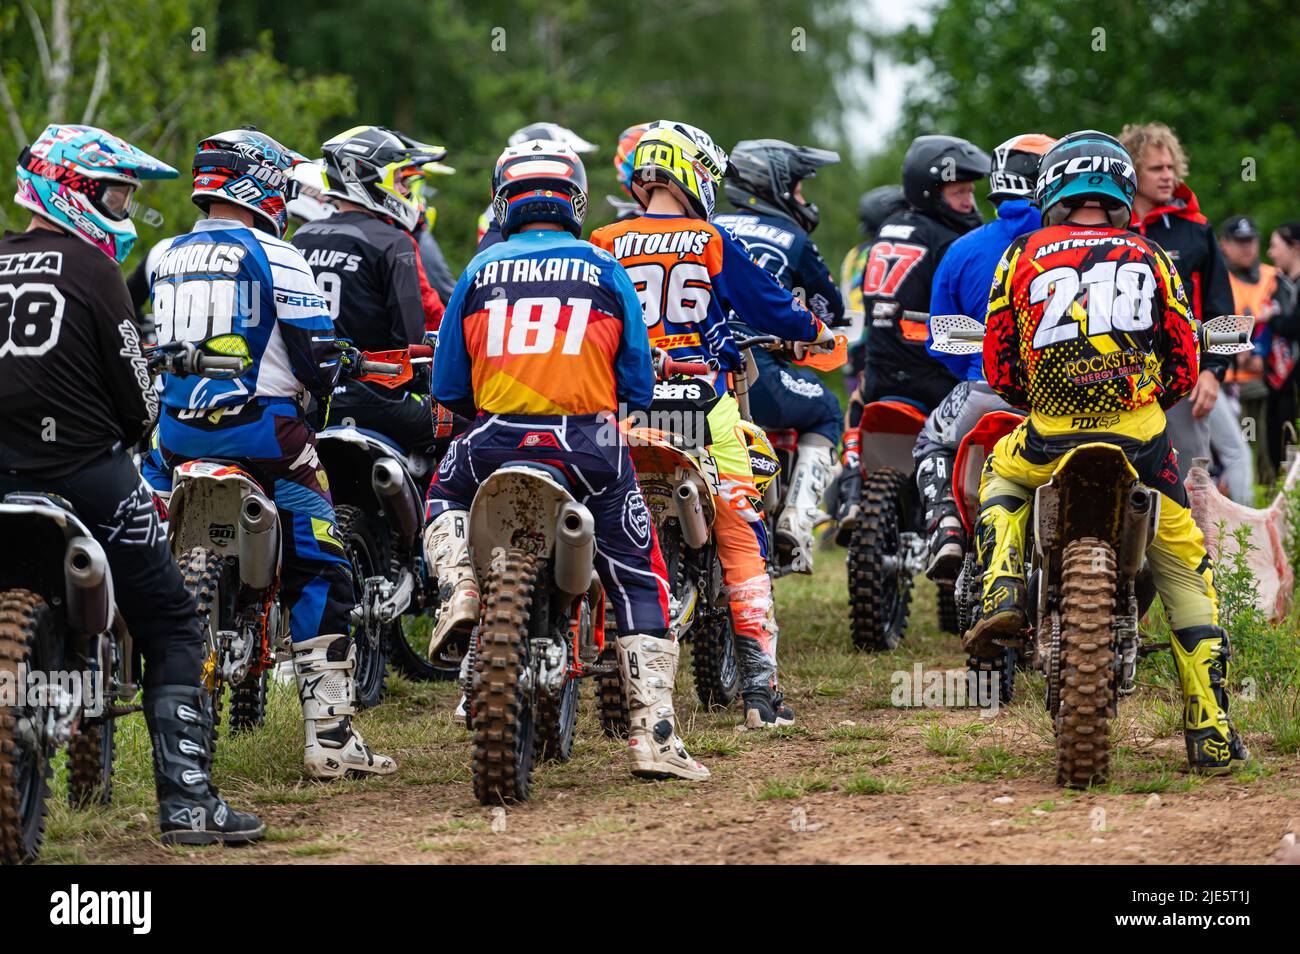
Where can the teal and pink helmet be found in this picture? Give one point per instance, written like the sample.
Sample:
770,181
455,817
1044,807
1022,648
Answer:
82,178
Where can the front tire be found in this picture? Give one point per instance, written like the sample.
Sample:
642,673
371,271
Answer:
880,587
1087,678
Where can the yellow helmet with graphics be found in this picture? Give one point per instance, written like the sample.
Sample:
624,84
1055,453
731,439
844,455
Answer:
762,456
682,159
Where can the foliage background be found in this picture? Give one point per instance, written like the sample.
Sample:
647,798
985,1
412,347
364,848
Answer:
466,73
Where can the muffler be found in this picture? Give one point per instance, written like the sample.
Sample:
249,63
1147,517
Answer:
690,515
89,596
394,491
259,542
1135,531
575,549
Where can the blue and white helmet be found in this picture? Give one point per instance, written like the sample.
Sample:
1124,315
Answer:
82,178
1086,166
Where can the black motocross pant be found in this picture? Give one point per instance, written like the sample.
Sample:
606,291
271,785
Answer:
115,503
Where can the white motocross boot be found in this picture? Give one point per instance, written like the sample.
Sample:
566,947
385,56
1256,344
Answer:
802,512
446,554
324,668
649,667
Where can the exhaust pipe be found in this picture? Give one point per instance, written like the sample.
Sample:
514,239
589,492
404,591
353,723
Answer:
89,597
690,514
259,542
575,549
394,492
1136,531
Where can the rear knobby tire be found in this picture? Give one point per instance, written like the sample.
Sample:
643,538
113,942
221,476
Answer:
504,738
879,597
949,618
1087,680
611,703
27,637
248,701
366,559
90,763
201,569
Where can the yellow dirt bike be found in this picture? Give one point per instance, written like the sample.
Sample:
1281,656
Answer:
1088,581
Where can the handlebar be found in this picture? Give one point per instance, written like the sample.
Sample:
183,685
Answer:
182,359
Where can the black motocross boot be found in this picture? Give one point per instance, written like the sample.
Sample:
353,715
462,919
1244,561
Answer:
945,536
190,810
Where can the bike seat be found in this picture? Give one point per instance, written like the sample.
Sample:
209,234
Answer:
906,400
552,471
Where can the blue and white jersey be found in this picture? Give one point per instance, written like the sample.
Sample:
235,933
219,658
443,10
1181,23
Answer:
245,293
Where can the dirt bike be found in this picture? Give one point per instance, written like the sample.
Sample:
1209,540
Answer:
679,481
1088,583
887,547
378,501
968,465
224,530
542,627
57,615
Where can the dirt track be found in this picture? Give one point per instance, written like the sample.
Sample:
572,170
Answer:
856,781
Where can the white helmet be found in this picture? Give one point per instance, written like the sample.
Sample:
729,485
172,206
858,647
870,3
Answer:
554,133
310,205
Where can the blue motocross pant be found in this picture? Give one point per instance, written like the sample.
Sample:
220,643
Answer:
592,454
274,444
788,396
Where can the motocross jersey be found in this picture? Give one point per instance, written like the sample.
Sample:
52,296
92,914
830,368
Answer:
244,293
73,381
896,294
787,251
368,272
1088,326
543,324
688,275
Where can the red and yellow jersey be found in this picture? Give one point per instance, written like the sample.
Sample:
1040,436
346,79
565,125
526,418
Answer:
689,275
1086,326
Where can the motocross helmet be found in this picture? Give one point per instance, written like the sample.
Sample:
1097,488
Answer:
1082,167
930,164
766,174
540,181
554,133
249,169
365,166
627,141
309,205
877,205
682,158
82,178
1015,166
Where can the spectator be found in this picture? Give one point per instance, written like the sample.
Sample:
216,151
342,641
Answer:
1284,328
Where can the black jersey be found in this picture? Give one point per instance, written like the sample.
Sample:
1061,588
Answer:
73,381
368,271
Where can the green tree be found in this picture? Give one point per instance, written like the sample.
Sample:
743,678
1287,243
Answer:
1220,73
162,87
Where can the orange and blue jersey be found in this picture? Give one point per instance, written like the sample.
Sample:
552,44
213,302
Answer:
689,274
543,324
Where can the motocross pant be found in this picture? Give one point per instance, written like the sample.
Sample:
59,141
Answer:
404,417
1025,459
117,506
936,445
591,453
741,537
277,448
790,397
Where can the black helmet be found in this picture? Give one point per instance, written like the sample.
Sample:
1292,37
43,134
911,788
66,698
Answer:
932,162
765,173
1015,166
877,205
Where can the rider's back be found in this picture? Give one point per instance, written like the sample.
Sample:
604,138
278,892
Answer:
366,270
224,279
74,380
543,324
1088,327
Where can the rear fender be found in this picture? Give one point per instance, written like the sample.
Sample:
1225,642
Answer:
206,500
968,466
887,434
661,466
516,507
1087,496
